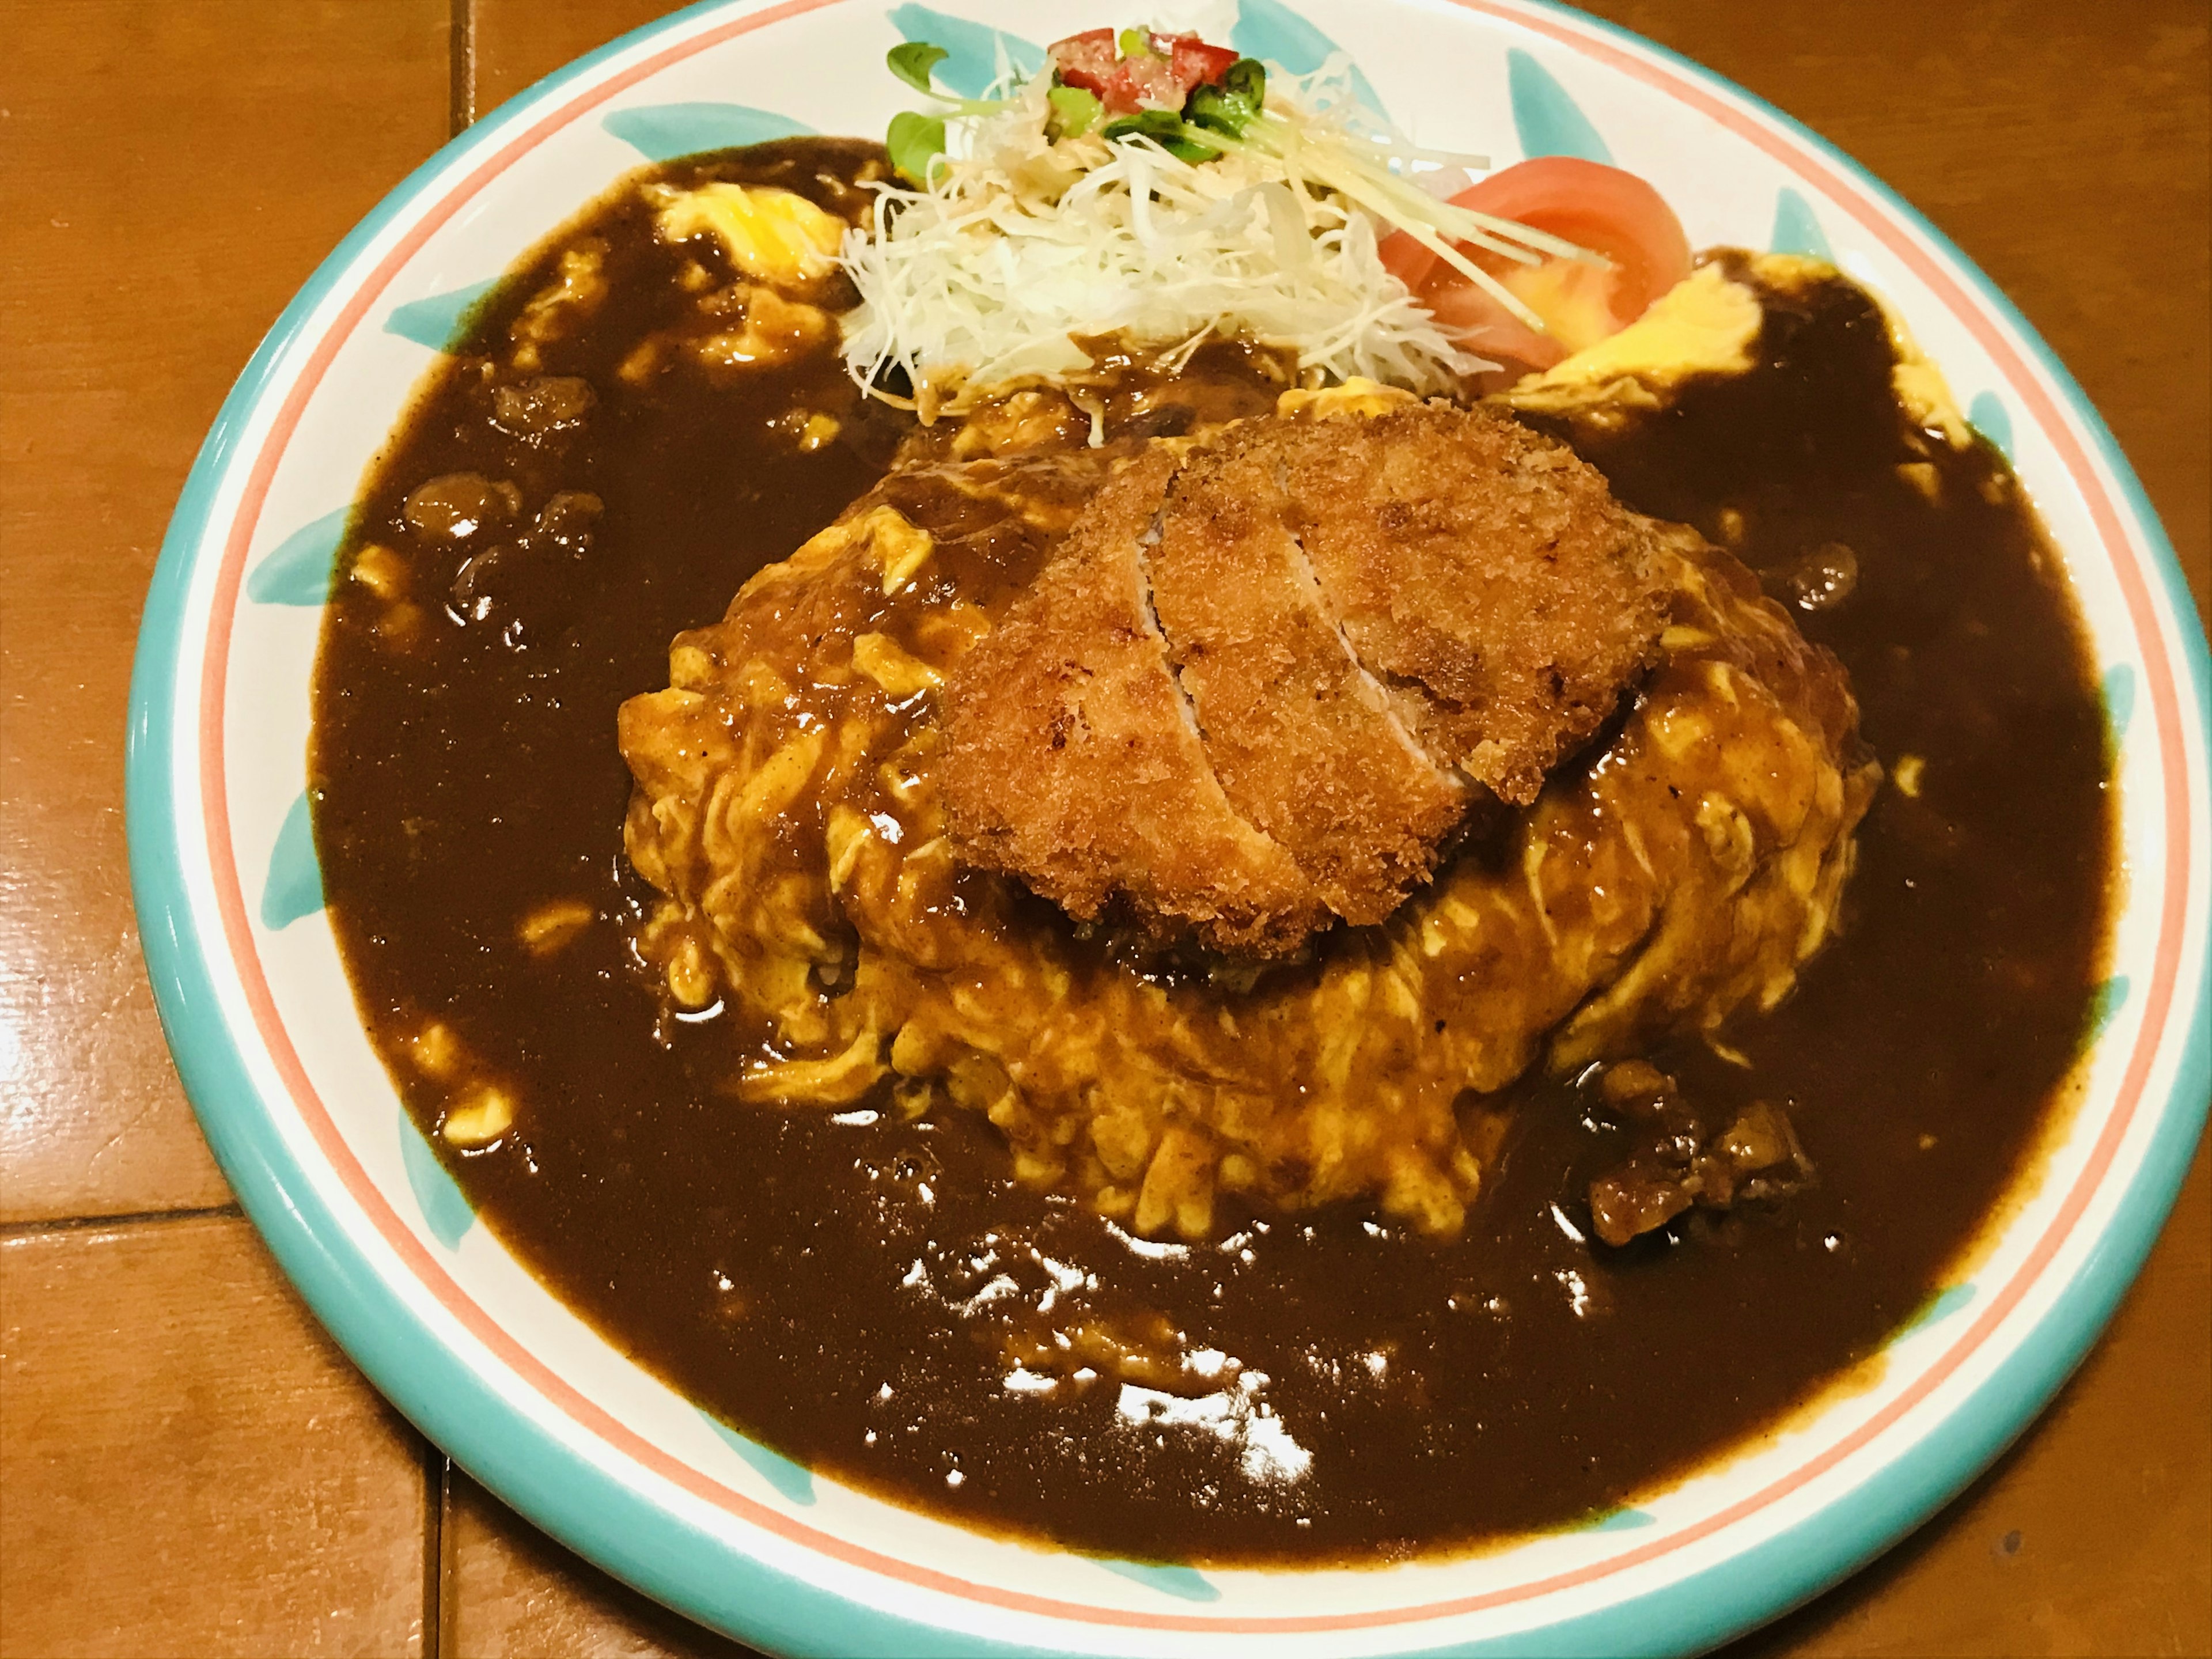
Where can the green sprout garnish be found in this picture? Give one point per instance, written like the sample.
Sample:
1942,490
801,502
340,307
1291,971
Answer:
1234,102
1075,111
1165,127
914,141
1226,106
912,63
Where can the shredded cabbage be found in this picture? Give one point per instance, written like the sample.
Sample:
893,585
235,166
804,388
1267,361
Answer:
1022,246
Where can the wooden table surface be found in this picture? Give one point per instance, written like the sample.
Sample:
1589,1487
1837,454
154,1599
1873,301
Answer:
187,1465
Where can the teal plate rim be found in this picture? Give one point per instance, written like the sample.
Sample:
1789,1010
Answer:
700,1573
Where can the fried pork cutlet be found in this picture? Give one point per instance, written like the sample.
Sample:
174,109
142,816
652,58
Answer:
1302,738
1260,687
1079,767
1486,571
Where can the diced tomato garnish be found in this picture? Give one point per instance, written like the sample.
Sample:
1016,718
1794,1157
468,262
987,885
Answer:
1596,207
1086,60
1196,63
1160,79
1147,83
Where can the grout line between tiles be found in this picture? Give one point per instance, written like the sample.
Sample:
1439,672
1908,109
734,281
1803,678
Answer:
437,1482
461,66
78,1224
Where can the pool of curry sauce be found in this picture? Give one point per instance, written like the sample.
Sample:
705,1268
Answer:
815,1280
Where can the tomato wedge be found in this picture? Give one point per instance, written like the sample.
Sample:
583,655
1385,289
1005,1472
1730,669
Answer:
1603,208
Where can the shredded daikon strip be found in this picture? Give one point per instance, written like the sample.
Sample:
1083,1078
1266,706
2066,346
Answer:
1020,246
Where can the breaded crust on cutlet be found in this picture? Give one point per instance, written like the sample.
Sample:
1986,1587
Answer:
1071,763
1245,696
1483,568
1303,739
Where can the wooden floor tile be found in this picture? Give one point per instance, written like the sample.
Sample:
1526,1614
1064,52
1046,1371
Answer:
172,173
513,1593
515,42
189,1465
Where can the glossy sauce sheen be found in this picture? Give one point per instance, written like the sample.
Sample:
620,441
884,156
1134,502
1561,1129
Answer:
816,1282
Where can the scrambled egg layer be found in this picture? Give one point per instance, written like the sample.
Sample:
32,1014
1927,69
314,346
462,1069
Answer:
774,236
1710,324
785,808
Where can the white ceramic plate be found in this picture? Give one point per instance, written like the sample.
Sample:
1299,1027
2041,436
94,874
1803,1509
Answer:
552,1419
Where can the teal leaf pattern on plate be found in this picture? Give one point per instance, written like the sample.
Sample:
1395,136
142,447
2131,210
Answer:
971,59
1185,1584
1939,1308
1797,227
663,132
2118,691
1545,117
298,571
2105,1002
1989,416
294,887
1270,31
1623,1520
794,1481
446,1212
435,322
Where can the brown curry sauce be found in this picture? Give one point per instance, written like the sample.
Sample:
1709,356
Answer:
1514,1378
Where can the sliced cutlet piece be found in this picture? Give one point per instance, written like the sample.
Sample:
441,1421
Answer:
1073,763
1483,566
1302,738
